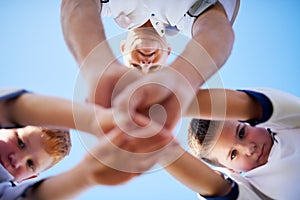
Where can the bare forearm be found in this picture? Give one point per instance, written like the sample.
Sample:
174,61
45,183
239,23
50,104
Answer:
84,34
62,186
220,104
82,26
209,48
198,176
35,109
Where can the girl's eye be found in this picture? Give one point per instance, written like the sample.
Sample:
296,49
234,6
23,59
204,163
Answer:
30,164
21,144
233,154
242,132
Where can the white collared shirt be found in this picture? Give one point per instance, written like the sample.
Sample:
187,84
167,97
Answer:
168,17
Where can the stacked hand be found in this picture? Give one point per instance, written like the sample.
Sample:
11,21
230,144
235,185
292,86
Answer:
119,156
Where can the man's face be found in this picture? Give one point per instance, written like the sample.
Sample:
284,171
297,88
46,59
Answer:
145,50
23,152
241,147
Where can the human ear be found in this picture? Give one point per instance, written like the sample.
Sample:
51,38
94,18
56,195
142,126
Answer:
122,46
169,49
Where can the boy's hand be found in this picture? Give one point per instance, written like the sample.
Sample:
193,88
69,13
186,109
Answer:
119,157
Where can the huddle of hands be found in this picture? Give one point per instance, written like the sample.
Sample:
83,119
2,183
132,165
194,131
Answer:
143,112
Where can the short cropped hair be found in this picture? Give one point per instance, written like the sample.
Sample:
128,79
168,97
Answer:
202,135
57,143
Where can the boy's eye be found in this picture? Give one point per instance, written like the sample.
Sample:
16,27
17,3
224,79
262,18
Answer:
233,154
242,133
30,164
21,144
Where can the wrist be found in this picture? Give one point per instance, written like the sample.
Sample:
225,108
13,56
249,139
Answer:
103,120
172,153
189,72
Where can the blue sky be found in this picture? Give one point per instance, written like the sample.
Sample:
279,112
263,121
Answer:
34,56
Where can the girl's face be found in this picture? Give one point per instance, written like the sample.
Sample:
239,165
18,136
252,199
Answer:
23,152
241,147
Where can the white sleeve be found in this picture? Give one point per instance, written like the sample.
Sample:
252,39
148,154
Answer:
6,94
247,191
241,188
286,107
9,191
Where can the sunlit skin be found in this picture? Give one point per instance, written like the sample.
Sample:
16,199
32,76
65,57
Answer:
23,152
145,50
241,147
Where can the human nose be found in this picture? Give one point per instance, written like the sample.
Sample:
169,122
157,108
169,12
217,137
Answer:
15,160
249,148
146,61
146,57
145,68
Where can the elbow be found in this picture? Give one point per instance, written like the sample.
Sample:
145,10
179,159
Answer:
224,45
221,42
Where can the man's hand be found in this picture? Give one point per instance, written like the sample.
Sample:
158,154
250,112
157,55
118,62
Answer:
104,85
162,96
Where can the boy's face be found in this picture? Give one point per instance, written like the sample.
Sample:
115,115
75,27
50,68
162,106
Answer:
23,152
241,147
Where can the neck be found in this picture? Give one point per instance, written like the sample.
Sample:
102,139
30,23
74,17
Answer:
147,24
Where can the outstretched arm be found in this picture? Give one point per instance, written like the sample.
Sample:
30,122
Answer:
41,110
113,161
197,176
219,104
210,46
82,27
176,85
84,34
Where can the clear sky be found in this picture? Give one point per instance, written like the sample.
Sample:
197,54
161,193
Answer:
34,56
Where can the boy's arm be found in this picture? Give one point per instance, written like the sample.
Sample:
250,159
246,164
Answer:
5,95
113,161
219,104
285,107
40,110
197,176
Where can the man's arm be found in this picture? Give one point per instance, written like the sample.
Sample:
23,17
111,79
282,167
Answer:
84,34
82,26
210,46
175,86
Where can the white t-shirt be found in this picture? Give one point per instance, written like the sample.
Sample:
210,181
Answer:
278,179
167,16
